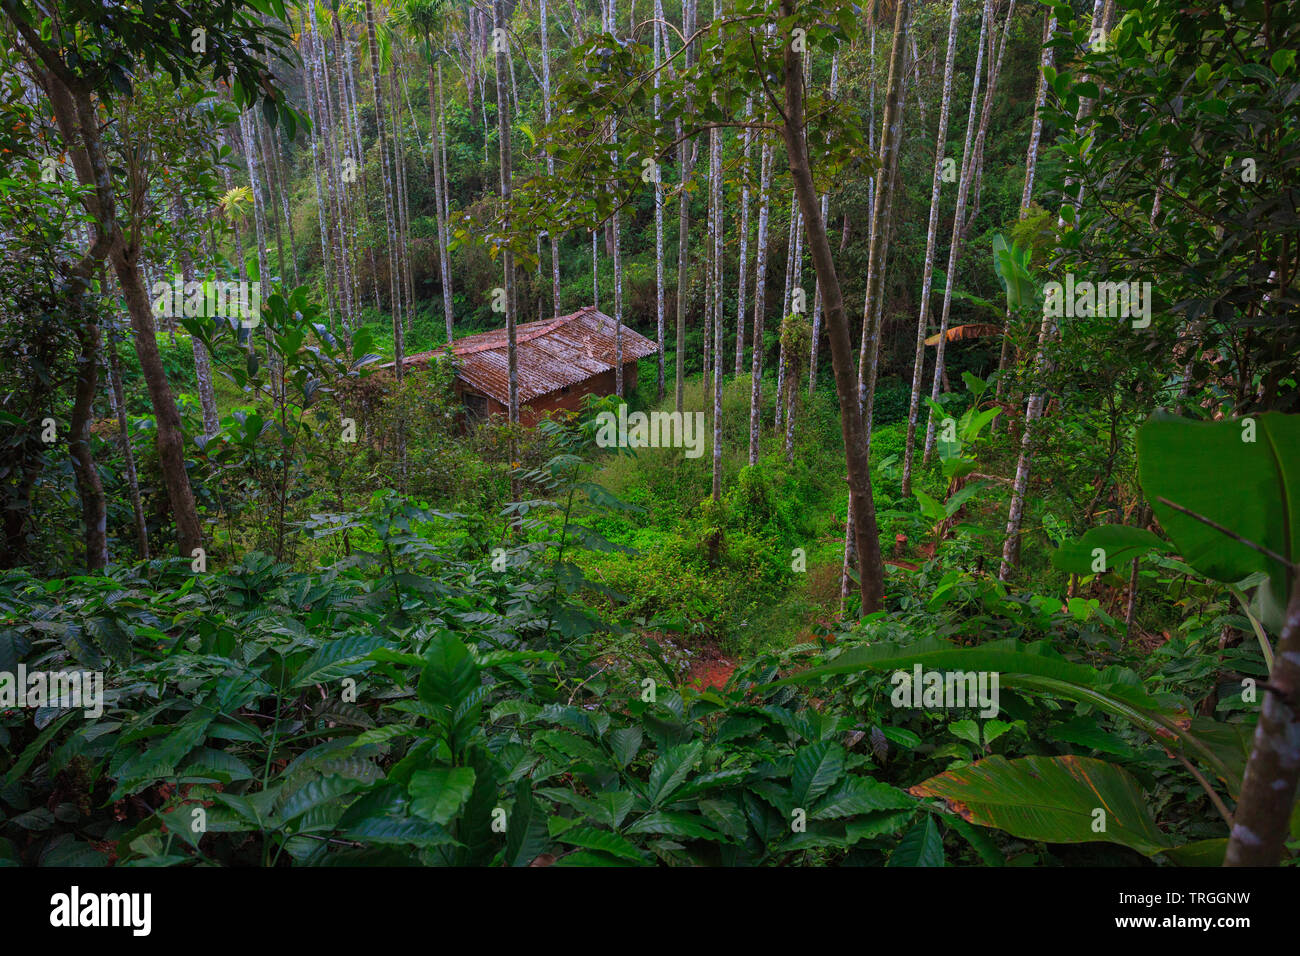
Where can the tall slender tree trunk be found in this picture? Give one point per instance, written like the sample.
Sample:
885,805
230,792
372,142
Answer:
931,235
760,300
954,248
381,122
617,252
550,170
170,438
981,137
353,74
743,266
117,400
317,161
435,136
685,153
507,256
659,211
882,206
402,199
1026,196
719,363
787,301
871,579
872,310
1038,398
817,293
202,363
94,510
443,199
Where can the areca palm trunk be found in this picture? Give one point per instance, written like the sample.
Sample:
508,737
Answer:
685,153
442,200
817,293
617,236
659,209
743,266
1026,196
885,202
507,256
435,137
981,137
282,175
308,34
249,146
760,301
334,172
931,235
399,350
262,136
550,171
715,187
352,73
1037,399
791,251
954,248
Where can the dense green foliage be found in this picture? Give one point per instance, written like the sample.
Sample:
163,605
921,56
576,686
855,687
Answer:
413,638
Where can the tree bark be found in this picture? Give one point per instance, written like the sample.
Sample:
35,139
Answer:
871,580
78,122
507,256
550,171
1037,400
954,248
743,267
659,210
927,273
1026,196
1268,788
817,292
760,301
685,153
381,122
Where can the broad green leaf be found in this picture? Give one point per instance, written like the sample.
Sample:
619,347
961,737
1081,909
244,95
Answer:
669,770
602,841
675,824
816,768
857,795
314,793
1106,548
437,795
337,659
921,845
1242,474
1053,799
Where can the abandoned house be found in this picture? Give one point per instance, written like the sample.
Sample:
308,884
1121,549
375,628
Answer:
560,361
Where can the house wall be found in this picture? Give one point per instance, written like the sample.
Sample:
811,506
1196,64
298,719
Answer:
532,412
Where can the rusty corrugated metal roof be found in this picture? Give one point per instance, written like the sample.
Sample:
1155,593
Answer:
551,353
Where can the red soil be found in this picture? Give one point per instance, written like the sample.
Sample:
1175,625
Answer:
710,670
